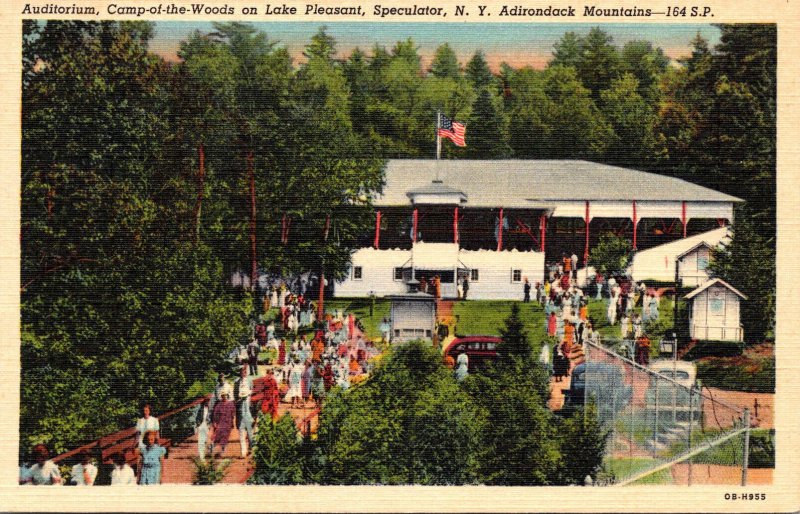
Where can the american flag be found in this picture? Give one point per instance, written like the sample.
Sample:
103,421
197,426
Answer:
452,130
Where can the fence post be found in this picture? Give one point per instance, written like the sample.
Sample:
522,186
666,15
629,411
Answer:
689,442
655,422
746,451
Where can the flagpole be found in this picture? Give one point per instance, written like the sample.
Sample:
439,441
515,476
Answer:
438,142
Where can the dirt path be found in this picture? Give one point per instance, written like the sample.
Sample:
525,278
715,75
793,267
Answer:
766,405
712,474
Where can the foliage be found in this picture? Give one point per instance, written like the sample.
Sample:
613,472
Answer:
516,346
740,373
409,423
610,256
583,442
209,471
741,263
277,452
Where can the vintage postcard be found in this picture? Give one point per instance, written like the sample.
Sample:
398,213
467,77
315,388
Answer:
366,256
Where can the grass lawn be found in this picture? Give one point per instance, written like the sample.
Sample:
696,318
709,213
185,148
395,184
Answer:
625,467
360,308
487,317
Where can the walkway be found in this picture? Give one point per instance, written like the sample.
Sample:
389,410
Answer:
179,467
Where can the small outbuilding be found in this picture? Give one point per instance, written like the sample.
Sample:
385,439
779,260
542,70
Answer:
714,312
413,315
693,264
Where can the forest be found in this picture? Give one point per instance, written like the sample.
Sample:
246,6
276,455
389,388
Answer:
145,183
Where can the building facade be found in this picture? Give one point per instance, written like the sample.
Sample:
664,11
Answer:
487,226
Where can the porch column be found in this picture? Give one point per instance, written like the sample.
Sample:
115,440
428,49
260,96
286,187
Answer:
586,249
415,218
500,231
377,243
542,230
635,224
683,217
455,225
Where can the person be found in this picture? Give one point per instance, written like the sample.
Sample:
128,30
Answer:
460,289
386,330
222,422
122,474
462,366
201,428
271,330
305,380
223,387
449,362
242,391
317,347
85,472
272,398
624,327
466,287
526,291
151,460
437,287
44,471
544,357
282,352
253,349
643,350
245,428
560,365
538,290
574,259
295,392
146,423
552,324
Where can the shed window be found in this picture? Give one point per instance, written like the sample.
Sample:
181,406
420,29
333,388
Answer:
398,274
474,275
516,275
358,273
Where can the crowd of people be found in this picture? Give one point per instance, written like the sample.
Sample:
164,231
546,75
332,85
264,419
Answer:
301,360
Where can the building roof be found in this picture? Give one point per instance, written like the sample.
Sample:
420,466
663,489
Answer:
710,283
522,183
696,247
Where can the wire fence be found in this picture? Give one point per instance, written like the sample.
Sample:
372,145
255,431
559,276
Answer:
662,429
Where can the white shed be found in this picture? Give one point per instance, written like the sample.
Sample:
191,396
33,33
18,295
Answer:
693,264
714,313
413,316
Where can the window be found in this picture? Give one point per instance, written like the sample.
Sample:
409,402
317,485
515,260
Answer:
474,276
358,273
702,262
398,274
516,275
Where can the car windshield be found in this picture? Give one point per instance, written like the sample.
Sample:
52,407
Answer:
677,375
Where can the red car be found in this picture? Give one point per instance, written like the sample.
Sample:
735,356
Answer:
479,349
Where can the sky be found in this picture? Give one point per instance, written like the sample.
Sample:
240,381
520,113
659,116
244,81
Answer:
518,44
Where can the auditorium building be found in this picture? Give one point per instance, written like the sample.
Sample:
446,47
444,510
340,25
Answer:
497,223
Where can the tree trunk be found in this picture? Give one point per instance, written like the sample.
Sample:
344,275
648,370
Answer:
201,181
253,257
321,298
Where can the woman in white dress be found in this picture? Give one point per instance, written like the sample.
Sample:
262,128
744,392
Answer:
146,423
295,393
44,471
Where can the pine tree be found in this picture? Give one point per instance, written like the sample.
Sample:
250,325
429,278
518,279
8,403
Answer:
445,63
487,130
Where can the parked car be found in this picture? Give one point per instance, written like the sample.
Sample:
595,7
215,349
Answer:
479,349
602,381
675,400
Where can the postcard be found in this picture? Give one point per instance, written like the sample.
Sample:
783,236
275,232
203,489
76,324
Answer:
348,256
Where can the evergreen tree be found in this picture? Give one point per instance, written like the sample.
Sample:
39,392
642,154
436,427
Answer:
516,347
583,445
487,130
445,63
567,51
478,73
599,62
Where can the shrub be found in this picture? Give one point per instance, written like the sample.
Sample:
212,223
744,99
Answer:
277,452
209,471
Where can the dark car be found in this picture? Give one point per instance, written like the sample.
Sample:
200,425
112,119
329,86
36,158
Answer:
603,382
479,349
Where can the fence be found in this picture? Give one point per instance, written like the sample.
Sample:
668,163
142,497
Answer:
661,428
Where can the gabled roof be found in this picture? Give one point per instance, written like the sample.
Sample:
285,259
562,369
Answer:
710,283
518,183
692,249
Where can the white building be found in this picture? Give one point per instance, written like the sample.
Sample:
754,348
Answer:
714,313
691,254
491,224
